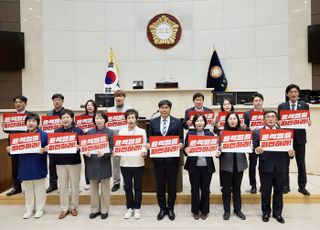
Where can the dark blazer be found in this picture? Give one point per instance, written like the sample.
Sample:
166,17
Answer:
55,113
270,160
174,129
226,161
191,162
33,166
186,115
300,135
99,168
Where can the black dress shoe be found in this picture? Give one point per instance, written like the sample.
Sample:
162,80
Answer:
286,190
161,214
240,215
265,217
226,215
104,216
94,215
196,216
51,189
14,191
203,216
304,191
253,190
171,214
279,218
115,187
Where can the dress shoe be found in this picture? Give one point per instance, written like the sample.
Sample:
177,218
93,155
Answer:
226,215
171,214
74,212
104,216
63,214
94,215
196,216
279,218
161,214
265,217
253,190
286,190
203,216
240,215
304,191
14,191
115,187
51,189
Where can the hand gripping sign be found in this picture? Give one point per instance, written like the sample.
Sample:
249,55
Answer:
208,114
62,143
128,145
116,121
202,146
164,146
236,141
24,143
278,140
294,119
94,143
84,122
50,123
14,122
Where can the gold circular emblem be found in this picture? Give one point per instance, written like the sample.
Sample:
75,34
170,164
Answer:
215,71
164,31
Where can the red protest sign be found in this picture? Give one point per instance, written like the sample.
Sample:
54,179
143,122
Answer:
62,143
236,141
294,119
276,139
128,145
14,122
24,143
222,118
50,123
94,143
208,114
116,120
84,122
241,117
164,146
204,146
256,120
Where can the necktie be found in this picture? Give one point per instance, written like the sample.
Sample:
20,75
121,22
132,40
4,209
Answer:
164,127
293,106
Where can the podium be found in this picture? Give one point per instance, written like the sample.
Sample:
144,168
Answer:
149,180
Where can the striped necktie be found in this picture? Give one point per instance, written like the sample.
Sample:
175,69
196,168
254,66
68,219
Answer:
164,127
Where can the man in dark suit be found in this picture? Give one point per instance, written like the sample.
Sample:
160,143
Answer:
257,101
272,166
20,103
198,99
166,169
57,100
299,141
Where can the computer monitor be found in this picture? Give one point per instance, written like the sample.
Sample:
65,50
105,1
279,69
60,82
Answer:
104,100
218,97
245,98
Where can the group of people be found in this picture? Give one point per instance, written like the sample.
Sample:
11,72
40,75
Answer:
65,169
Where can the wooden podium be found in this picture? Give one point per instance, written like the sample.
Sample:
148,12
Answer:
149,180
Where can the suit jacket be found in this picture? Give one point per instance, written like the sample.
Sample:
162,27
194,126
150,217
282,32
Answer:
174,129
99,168
191,162
269,160
226,161
186,115
299,136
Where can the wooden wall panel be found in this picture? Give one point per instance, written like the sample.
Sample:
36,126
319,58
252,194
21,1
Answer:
5,167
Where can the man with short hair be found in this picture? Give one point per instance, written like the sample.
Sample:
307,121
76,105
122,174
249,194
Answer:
20,103
57,100
299,140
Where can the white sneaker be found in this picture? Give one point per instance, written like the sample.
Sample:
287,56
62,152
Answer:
38,214
128,214
27,215
137,214
87,187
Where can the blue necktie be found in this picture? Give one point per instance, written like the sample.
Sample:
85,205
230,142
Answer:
293,106
164,127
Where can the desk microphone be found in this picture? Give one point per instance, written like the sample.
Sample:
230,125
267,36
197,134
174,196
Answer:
157,111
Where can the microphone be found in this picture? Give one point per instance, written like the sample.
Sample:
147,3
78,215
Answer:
152,116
